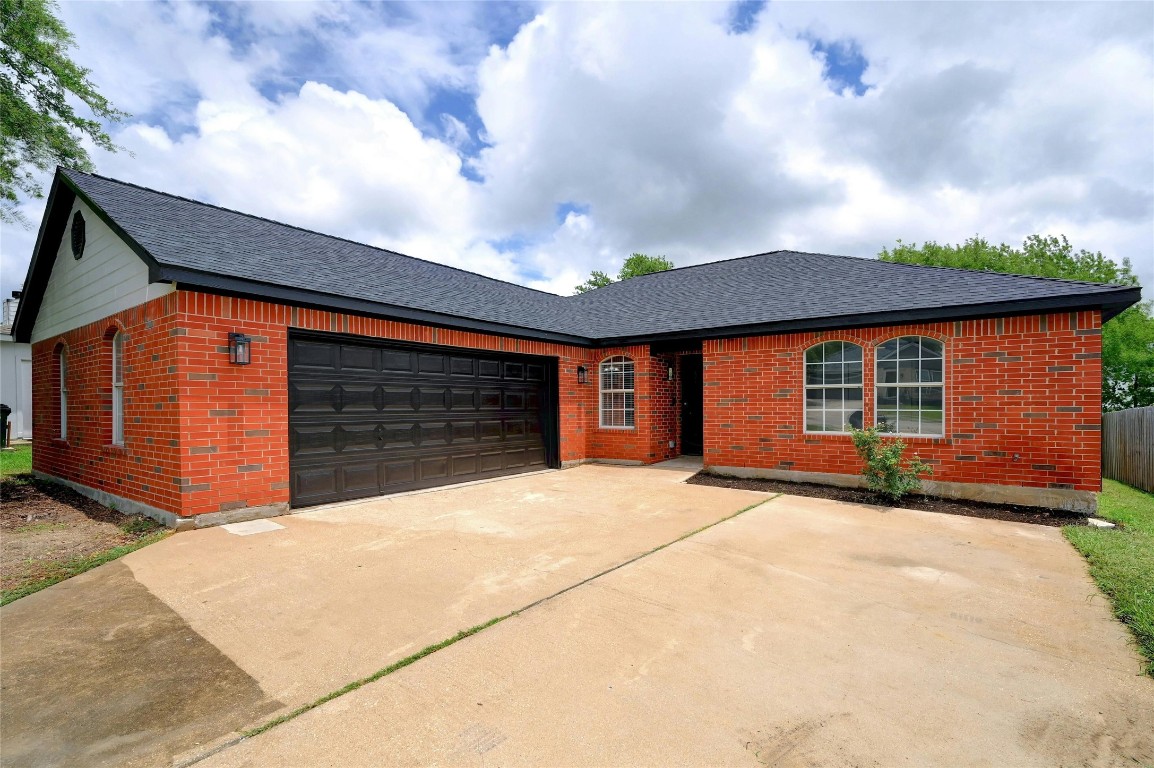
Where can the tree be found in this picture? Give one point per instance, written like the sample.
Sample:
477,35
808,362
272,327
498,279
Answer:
636,265
39,128
1127,340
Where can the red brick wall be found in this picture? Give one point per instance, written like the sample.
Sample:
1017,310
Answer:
1025,387
234,419
204,436
648,440
147,466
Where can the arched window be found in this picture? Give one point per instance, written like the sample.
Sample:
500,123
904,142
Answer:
911,386
62,392
833,387
118,388
617,401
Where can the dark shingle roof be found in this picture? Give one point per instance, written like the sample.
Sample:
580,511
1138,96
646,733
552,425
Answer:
792,287
198,244
190,235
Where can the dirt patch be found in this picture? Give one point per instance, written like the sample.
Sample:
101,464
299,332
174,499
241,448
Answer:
98,671
44,524
1010,512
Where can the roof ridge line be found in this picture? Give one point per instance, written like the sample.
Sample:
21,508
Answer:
305,230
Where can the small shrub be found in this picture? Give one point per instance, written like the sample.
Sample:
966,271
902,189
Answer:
883,469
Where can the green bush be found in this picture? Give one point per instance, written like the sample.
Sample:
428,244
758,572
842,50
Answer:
883,469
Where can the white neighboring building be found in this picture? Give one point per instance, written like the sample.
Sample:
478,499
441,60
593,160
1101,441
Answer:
15,373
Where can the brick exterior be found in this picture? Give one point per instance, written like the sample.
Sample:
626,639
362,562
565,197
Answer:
203,436
148,467
1028,387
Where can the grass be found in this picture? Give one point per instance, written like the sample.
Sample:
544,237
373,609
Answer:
58,572
18,461
1122,559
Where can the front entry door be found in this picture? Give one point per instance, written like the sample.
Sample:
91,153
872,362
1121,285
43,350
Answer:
692,424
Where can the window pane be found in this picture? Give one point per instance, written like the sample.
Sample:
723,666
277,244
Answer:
887,372
852,399
813,420
888,350
833,398
932,397
932,370
813,398
931,348
853,373
813,374
627,401
851,353
909,371
887,418
833,373
814,354
834,421
933,422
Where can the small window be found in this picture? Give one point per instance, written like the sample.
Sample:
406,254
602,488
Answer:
118,388
911,386
617,401
62,392
833,387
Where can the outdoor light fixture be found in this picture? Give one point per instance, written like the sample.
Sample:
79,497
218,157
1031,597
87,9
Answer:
239,349
669,373
582,375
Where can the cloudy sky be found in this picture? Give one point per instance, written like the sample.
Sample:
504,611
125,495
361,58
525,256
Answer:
537,142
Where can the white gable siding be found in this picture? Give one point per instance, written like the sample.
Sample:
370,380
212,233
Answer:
107,279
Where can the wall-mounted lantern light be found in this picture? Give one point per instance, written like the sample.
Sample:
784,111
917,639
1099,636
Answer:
669,373
582,375
239,349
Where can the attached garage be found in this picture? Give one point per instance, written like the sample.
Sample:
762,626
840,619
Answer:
368,417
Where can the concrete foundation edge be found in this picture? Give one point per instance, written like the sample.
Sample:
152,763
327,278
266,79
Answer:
1084,502
164,517
613,462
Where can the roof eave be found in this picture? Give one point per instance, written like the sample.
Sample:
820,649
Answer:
1110,302
215,283
52,224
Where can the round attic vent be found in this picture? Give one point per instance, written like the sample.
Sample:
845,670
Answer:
78,236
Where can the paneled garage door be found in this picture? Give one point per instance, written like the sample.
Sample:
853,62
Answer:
368,417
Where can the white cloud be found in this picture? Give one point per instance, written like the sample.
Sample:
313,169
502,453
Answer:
667,133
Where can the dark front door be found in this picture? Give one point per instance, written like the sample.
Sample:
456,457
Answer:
692,420
368,417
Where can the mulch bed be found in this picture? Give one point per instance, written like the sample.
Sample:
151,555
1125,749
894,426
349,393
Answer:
1010,512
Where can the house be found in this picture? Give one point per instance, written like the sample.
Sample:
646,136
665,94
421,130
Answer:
15,374
202,365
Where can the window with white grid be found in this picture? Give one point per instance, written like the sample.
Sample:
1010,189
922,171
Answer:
833,387
118,388
911,386
617,400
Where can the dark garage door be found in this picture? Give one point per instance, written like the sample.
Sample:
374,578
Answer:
368,417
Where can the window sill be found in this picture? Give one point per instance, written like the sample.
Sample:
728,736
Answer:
618,429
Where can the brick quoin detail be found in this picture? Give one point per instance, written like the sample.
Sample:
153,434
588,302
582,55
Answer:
1032,390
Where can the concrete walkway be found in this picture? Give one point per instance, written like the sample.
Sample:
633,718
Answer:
801,632
804,632
183,642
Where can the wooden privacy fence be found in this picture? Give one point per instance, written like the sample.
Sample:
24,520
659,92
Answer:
1128,447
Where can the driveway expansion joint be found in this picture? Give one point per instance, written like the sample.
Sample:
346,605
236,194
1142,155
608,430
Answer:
463,634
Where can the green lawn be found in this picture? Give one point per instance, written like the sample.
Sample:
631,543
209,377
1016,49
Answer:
1122,559
16,461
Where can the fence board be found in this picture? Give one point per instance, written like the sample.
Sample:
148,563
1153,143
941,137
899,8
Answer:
1128,447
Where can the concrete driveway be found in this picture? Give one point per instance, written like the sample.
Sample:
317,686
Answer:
801,632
